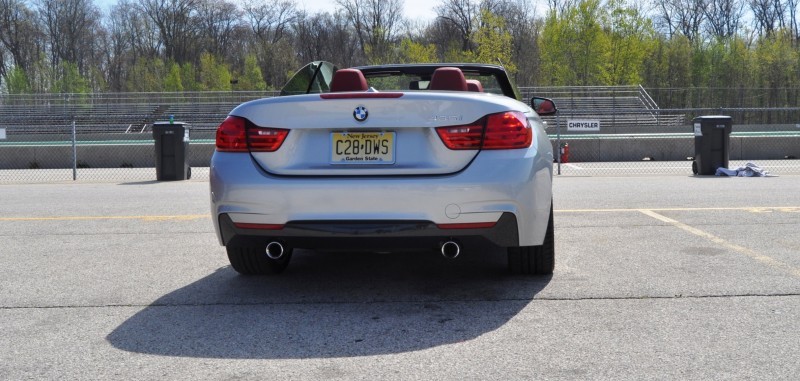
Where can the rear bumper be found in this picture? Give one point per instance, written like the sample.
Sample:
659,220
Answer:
375,235
513,182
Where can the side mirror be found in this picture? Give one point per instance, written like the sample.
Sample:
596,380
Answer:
543,106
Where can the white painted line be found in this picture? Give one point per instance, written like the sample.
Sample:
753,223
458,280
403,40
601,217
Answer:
752,209
573,166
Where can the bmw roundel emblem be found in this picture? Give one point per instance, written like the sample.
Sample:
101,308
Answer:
360,113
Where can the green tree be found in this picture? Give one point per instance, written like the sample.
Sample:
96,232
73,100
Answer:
189,77
776,68
632,38
669,67
574,47
147,75
494,42
412,52
214,76
17,81
173,81
252,78
70,80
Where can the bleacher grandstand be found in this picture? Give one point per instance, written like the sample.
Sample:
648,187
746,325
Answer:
115,113
624,108
627,109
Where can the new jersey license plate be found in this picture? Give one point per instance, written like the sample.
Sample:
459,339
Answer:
362,148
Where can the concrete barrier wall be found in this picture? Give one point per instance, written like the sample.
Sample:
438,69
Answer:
141,153
677,149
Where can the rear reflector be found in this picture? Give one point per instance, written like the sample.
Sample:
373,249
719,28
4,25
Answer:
507,130
237,134
242,225
473,225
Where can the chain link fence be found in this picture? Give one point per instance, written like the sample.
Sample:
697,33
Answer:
598,131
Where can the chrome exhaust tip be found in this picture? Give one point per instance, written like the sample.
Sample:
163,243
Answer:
275,250
451,249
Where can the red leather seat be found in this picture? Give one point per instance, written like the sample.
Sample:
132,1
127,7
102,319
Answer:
348,80
474,85
448,78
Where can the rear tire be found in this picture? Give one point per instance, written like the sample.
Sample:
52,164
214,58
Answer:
253,260
539,260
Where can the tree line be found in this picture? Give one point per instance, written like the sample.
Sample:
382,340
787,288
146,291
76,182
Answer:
693,52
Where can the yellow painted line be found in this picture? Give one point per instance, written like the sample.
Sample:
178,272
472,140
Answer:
752,209
767,260
186,217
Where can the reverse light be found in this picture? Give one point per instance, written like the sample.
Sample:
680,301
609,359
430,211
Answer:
264,139
237,134
462,137
506,130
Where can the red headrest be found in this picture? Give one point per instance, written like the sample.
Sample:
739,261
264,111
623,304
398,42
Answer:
348,80
474,85
448,78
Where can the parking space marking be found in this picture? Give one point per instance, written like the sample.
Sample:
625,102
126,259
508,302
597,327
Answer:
185,217
767,260
752,209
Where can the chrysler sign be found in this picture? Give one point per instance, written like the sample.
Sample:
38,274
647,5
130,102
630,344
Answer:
583,125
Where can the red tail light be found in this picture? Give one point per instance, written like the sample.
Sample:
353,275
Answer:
507,130
237,134
231,135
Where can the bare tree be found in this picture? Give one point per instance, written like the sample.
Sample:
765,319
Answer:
723,17
174,20
217,21
270,20
377,24
768,15
132,36
791,12
70,27
326,36
463,15
520,22
681,16
20,35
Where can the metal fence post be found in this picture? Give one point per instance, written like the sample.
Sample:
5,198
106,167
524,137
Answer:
558,144
74,153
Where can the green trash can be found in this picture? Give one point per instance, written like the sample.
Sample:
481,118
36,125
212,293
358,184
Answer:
712,140
172,149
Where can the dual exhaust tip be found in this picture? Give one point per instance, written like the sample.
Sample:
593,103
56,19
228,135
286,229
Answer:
450,250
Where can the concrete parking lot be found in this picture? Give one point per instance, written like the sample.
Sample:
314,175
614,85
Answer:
670,277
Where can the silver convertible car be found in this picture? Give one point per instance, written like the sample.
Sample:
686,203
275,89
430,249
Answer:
384,158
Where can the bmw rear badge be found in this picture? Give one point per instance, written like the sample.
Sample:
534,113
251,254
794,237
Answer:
360,113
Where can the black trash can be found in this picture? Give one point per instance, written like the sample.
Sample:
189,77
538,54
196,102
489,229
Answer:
172,149
712,137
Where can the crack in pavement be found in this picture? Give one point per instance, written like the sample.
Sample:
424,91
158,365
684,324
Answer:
542,299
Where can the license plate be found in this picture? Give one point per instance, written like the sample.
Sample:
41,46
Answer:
362,148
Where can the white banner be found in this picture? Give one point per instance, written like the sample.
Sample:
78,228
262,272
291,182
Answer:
583,125
2,133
